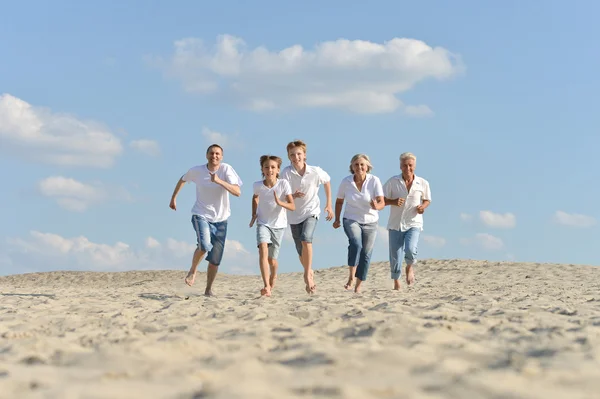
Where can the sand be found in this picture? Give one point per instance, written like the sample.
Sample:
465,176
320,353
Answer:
467,329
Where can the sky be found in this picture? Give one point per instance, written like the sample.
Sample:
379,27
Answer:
105,105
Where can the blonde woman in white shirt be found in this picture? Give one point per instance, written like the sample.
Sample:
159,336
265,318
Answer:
363,194
272,196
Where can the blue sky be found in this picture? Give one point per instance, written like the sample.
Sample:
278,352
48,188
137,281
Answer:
105,105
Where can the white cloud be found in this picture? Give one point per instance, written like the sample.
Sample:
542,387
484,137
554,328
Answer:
466,217
47,251
76,196
152,243
434,241
42,136
501,221
222,139
355,75
574,219
148,147
485,241
418,111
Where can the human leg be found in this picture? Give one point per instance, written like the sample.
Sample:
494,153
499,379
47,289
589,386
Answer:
203,245
354,234
368,236
396,251
218,237
411,240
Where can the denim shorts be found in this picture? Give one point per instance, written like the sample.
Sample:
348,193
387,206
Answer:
303,232
210,238
271,236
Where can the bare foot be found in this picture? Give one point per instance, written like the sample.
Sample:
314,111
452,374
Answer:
397,285
191,277
410,275
311,287
209,293
357,288
349,284
272,280
265,291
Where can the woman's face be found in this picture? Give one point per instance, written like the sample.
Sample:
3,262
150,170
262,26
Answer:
360,167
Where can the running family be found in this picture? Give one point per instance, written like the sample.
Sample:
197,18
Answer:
291,197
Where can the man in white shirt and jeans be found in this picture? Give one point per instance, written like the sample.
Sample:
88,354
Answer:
214,181
305,181
409,196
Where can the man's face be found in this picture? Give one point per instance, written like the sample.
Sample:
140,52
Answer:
408,167
214,156
297,156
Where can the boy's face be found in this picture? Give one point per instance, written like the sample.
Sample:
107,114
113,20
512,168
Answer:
297,156
270,169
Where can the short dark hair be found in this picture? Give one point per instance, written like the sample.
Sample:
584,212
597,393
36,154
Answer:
213,146
266,158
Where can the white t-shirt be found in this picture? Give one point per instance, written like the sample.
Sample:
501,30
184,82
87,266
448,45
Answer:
310,204
404,217
212,200
269,213
358,203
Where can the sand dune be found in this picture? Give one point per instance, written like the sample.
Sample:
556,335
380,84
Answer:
468,329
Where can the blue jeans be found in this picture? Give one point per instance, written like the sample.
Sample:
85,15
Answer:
303,232
361,239
402,243
210,238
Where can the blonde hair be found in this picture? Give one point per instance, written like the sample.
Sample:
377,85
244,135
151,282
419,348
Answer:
407,155
363,156
266,158
296,143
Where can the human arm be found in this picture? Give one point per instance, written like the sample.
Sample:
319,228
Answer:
378,203
254,209
394,201
328,208
421,208
233,189
287,204
339,203
173,204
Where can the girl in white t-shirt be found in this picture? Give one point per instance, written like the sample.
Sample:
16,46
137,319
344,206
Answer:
272,196
363,194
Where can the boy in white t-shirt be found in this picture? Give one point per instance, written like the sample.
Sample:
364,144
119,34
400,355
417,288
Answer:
305,181
214,181
272,196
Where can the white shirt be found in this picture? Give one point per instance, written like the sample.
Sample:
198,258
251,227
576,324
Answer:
404,217
310,204
268,212
358,203
212,200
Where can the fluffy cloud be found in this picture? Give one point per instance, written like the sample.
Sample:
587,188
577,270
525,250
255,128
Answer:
501,221
148,147
418,111
49,251
465,217
485,241
76,196
434,241
574,219
222,139
355,75
38,134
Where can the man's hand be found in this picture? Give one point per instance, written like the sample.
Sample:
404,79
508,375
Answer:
336,224
329,212
173,204
399,201
214,178
420,209
298,194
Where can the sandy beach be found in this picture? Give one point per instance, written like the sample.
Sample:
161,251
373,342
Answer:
467,329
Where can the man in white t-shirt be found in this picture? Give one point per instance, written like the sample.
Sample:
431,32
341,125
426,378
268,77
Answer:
214,181
305,181
409,196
